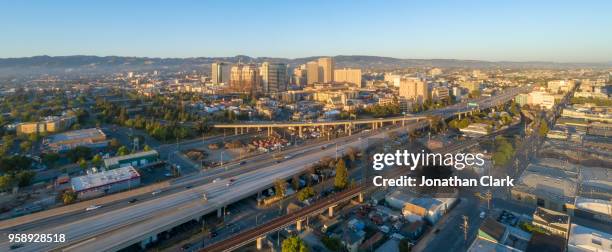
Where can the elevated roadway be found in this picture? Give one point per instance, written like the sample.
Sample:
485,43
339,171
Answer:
141,223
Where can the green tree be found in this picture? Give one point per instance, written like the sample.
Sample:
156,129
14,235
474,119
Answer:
332,243
50,159
33,137
83,163
294,244
25,145
80,152
96,160
6,182
280,187
24,178
146,148
69,197
404,245
305,193
122,151
543,129
341,180
504,151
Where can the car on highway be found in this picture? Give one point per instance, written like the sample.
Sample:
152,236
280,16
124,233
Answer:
242,162
186,246
16,246
92,207
216,180
188,187
132,201
231,182
156,192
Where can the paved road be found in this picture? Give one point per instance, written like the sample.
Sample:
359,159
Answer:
118,228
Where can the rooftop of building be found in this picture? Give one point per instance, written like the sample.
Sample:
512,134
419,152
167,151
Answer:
103,178
551,216
594,205
583,236
115,160
596,177
76,134
558,164
482,245
546,243
563,188
492,229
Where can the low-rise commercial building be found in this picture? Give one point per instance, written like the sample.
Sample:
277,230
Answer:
545,187
91,138
105,182
584,239
138,159
596,210
555,222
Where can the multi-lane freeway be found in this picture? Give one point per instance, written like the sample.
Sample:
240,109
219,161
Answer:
122,226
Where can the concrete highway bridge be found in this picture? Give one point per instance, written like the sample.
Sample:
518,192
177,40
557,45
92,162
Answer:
349,125
113,229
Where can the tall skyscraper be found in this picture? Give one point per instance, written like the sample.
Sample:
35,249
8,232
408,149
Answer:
273,77
299,76
312,72
327,66
350,75
220,73
414,89
244,78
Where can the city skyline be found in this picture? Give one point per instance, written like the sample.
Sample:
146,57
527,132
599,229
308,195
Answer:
477,30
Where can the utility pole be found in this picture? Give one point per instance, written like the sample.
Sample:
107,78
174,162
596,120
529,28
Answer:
336,151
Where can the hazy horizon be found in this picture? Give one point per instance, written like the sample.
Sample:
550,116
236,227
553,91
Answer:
312,56
516,31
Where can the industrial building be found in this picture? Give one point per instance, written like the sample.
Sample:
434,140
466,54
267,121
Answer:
139,159
91,138
105,182
583,238
420,208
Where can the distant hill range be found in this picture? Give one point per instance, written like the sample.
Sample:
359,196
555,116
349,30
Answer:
87,65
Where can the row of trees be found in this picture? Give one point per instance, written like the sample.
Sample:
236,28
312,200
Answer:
26,106
504,151
15,172
341,178
377,110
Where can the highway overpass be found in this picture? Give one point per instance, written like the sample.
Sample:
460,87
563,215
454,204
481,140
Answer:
142,222
349,125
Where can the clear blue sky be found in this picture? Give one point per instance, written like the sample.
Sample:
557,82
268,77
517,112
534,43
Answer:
576,31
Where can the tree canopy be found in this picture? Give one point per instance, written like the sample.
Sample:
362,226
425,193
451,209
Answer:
341,180
294,244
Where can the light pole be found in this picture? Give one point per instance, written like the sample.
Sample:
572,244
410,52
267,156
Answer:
465,228
336,151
